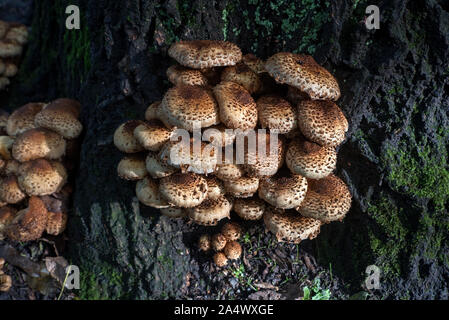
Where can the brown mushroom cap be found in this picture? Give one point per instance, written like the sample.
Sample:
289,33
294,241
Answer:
124,138
310,159
237,108
132,167
174,212
153,135
11,70
10,48
249,208
256,64
12,167
156,168
6,144
215,187
152,112
56,223
10,192
229,171
179,75
184,190
5,282
289,226
220,259
18,33
218,241
243,187
210,211
38,143
147,191
303,72
327,199
322,122
219,135
283,192
204,242
30,223
232,250
276,114
200,54
22,119
185,106
61,116
232,231
7,214
242,75
41,177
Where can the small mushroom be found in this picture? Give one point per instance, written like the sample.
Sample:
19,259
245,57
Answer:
10,192
56,223
210,211
229,171
152,135
152,112
38,143
232,231
232,250
184,190
220,259
285,192
204,242
243,187
147,191
5,282
124,138
22,118
249,208
156,167
276,114
215,187
132,167
218,242
179,75
242,75
6,144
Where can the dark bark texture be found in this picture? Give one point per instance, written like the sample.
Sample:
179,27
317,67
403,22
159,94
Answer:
395,94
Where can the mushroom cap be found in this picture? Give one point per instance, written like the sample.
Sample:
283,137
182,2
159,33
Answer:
124,138
56,223
11,70
219,135
295,96
210,211
6,144
184,190
5,282
215,187
237,108
132,167
156,168
232,250
322,122
173,212
200,54
152,112
327,199
29,224
147,191
186,106
204,242
7,214
283,192
310,159
218,241
289,226
243,187
249,208
303,72
152,135
10,191
276,114
179,75
61,116
17,32
10,48
220,259
38,143
232,231
229,171
22,118
256,64
242,75
41,177
12,167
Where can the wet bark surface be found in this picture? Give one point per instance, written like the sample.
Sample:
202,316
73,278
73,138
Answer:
395,94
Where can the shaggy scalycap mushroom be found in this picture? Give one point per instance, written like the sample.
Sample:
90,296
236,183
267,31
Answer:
229,171
185,190
6,144
147,191
244,76
185,106
310,159
237,108
303,72
249,208
22,118
124,138
276,114
38,143
289,226
200,54
7,214
219,135
243,187
218,241
179,75
327,199
156,168
232,231
215,187
322,122
152,135
204,242
61,116
232,250
56,223
152,112
220,259
210,211
285,192
10,191
132,167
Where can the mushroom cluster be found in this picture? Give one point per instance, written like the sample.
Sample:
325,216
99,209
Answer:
13,36
285,105
5,280
38,147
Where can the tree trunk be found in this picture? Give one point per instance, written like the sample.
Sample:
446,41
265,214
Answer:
395,94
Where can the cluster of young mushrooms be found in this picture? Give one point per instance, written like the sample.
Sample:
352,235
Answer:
292,189
13,36
38,147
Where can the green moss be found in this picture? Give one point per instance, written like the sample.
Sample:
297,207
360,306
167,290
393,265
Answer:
77,51
98,286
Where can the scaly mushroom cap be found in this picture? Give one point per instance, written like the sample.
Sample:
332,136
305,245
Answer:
200,54
210,211
283,192
41,177
152,112
179,75
153,135
276,114
10,48
61,116
327,199
184,190
243,187
12,167
232,231
38,143
249,208
156,168
322,122
289,226
10,192
204,242
215,187
173,212
6,144
147,191
242,75
266,163
220,259
132,167
7,215
256,64
303,72
184,106
29,224
219,135
22,119
232,250
17,32
237,108
56,223
310,159
229,170
124,138
218,242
